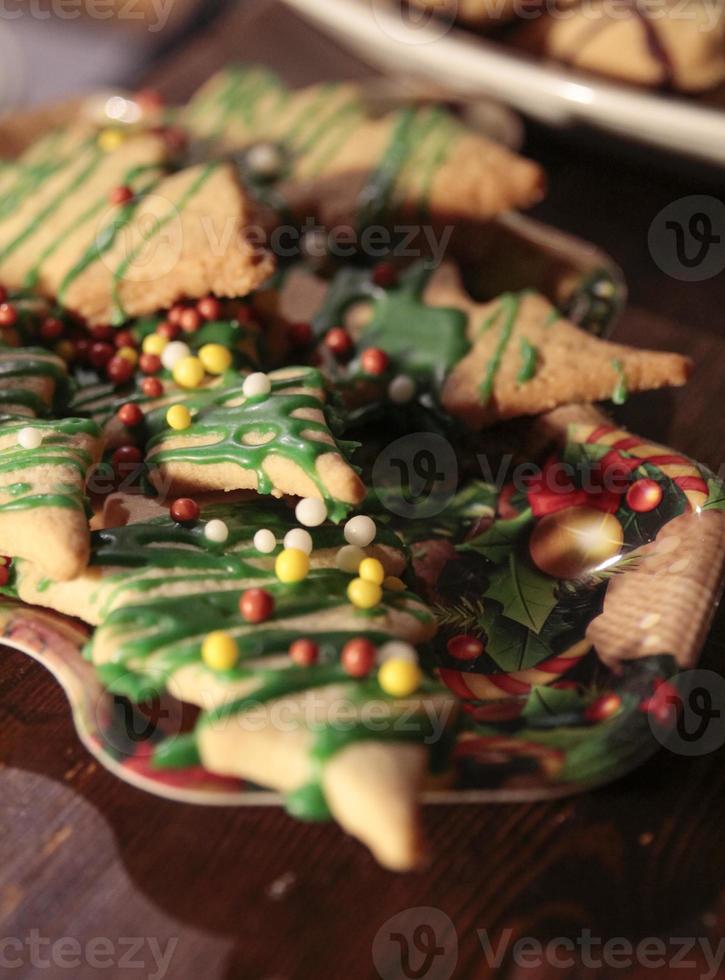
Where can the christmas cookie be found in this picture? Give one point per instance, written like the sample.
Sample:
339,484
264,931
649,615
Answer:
677,45
32,382
320,153
526,359
261,432
43,470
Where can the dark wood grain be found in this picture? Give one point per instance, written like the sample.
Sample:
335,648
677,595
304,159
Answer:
250,893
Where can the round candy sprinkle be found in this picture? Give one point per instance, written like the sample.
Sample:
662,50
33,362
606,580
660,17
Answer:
363,594
130,414
126,459
360,530
339,341
219,650
120,195
178,417
174,314
399,678
304,653
125,338
311,512
128,354
209,307
30,438
291,565
384,275
188,372
184,510
100,354
65,349
358,657
256,605
190,320
216,358
51,328
152,387
372,570
216,531
119,369
300,334
264,541
154,343
300,539
397,650
4,575
103,331
110,139
349,557
644,495
173,353
401,389
265,159
256,385
374,361
149,363
168,330
8,315
394,584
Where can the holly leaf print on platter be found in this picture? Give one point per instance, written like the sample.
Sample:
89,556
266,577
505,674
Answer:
511,646
526,595
498,541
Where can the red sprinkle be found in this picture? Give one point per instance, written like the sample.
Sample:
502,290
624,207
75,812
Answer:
304,652
52,328
184,510
300,334
125,459
119,370
83,349
130,414
152,387
124,338
603,708
256,605
3,294
149,363
385,275
4,575
149,99
190,320
339,341
209,308
8,315
358,657
174,314
120,195
100,353
374,361
102,331
168,329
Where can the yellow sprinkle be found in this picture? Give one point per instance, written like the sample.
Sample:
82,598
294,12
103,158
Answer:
216,358
372,570
65,349
364,594
188,372
178,417
110,139
394,584
154,343
128,354
219,650
291,565
399,678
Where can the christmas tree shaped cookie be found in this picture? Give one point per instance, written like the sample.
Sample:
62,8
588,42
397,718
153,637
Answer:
321,152
43,470
262,432
526,359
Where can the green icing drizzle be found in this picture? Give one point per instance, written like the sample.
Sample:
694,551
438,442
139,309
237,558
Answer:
508,307
529,359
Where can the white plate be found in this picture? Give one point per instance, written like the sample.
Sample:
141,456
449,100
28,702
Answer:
471,66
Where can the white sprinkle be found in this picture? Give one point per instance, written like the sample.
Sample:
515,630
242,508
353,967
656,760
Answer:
30,438
264,541
401,389
349,557
265,159
216,531
300,539
313,244
360,530
173,353
397,650
311,512
256,384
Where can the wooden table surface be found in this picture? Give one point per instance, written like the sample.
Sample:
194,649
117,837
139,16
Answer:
248,893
